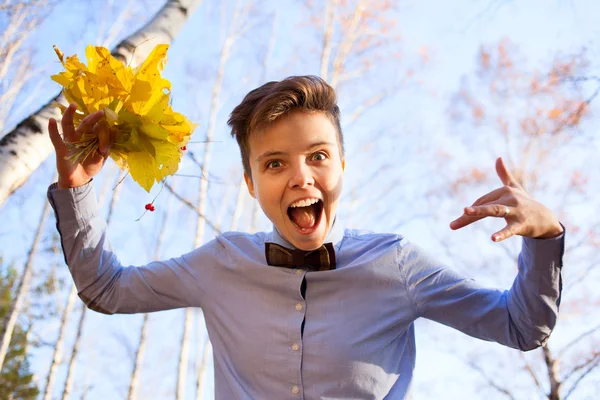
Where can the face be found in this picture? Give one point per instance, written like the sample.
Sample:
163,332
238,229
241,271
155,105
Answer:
297,176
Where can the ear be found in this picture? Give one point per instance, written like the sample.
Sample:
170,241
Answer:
249,184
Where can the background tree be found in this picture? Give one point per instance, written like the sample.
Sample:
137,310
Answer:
537,117
16,378
23,149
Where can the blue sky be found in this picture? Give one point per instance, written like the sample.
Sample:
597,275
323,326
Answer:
413,120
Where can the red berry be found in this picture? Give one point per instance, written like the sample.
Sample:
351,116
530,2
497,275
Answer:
149,207
184,148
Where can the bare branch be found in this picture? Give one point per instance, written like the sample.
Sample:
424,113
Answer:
346,45
552,368
327,34
582,376
530,371
577,340
490,381
191,207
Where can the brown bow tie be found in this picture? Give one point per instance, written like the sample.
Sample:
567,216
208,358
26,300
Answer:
321,259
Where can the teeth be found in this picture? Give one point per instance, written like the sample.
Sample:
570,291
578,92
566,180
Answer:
304,203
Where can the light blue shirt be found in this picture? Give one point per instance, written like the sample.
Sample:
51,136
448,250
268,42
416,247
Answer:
358,340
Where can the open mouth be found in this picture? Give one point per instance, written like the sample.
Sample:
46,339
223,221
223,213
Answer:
306,218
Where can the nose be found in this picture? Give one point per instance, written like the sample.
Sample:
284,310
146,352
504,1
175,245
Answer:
301,177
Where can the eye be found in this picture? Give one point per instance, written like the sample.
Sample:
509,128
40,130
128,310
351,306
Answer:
274,164
319,156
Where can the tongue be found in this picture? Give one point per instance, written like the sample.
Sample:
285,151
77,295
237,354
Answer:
304,217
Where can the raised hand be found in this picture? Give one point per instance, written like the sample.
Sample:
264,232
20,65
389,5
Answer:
76,174
524,216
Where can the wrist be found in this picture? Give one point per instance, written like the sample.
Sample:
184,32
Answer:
553,232
71,183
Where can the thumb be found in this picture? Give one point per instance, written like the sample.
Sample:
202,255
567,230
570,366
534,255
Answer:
55,138
504,175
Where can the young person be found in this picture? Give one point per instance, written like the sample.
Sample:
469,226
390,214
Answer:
309,310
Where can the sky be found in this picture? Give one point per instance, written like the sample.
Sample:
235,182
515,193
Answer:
412,119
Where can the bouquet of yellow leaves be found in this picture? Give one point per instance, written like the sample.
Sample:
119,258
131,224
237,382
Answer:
149,135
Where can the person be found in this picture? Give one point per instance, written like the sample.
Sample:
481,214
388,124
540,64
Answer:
309,310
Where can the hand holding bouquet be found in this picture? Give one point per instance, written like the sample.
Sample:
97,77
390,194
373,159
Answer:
126,108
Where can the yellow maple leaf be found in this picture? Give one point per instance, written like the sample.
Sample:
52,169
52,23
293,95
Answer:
136,103
142,168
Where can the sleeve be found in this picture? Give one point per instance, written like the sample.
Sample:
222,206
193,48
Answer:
102,282
522,317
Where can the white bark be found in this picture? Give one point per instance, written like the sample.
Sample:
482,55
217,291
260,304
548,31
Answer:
68,388
139,358
23,288
214,103
239,205
23,149
253,227
201,366
141,350
183,355
57,354
201,372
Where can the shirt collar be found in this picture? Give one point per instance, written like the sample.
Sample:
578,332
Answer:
335,236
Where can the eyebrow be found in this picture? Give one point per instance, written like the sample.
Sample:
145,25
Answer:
282,153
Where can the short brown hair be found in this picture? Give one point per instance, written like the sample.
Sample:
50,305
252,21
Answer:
272,100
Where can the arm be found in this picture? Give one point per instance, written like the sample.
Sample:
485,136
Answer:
102,282
522,317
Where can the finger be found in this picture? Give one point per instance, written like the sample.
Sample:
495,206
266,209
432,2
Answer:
506,232
55,138
494,195
489,210
504,174
463,221
103,133
67,124
88,123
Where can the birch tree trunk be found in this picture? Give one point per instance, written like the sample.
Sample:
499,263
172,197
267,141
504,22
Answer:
253,226
201,366
141,350
232,36
23,288
57,354
139,358
23,149
68,388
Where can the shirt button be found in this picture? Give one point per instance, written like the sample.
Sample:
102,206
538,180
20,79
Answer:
299,271
295,347
299,307
295,389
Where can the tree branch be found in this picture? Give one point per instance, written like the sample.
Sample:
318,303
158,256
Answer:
191,206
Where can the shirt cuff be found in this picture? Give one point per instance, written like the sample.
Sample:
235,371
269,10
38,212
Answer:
545,252
72,204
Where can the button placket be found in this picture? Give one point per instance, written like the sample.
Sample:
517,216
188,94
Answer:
296,343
